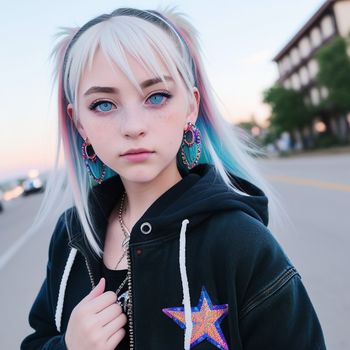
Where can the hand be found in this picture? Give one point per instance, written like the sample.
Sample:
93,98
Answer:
96,323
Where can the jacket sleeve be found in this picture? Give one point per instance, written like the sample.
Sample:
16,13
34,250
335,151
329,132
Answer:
42,313
282,319
275,309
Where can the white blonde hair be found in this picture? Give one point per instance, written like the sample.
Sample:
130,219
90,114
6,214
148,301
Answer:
143,34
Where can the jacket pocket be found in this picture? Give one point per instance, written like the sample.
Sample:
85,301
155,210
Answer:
269,290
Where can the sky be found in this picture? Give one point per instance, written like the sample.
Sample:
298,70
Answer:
239,40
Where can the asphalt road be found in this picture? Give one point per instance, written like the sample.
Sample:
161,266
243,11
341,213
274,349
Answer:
313,228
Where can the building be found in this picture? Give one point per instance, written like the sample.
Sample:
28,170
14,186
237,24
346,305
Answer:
296,61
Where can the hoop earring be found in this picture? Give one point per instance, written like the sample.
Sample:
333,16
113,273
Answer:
191,137
86,151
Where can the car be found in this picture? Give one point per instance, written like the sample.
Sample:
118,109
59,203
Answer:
1,205
32,185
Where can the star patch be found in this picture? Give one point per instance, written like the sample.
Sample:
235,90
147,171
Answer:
206,319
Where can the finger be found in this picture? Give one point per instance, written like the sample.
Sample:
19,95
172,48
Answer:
101,302
109,314
115,325
116,338
98,290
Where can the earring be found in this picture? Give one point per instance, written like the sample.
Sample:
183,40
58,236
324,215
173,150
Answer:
88,153
191,137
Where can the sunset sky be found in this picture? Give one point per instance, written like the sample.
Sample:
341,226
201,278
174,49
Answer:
239,39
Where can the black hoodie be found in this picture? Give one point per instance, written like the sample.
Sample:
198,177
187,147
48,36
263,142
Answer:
201,252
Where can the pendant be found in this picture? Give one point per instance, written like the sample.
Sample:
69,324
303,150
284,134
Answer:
123,301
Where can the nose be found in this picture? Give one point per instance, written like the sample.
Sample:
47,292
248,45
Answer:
133,124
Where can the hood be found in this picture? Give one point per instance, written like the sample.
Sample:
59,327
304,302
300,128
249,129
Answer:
199,195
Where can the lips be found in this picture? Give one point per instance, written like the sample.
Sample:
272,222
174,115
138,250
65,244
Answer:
137,155
136,151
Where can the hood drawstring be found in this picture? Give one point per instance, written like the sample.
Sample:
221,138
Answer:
63,285
184,280
185,288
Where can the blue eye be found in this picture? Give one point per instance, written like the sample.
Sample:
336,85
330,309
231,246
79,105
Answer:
101,106
158,98
104,106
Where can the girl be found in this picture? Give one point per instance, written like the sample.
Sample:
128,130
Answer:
166,246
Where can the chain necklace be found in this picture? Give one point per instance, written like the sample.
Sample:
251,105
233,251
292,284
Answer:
125,243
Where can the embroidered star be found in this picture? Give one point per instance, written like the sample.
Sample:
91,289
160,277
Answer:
206,319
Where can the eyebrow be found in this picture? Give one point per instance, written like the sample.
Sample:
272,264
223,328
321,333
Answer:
154,81
104,89
112,90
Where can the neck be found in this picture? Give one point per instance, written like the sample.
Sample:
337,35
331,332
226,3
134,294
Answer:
140,196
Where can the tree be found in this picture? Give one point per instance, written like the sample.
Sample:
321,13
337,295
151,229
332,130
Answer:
334,74
289,111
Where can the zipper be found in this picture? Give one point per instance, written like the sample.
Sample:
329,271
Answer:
90,274
81,251
130,306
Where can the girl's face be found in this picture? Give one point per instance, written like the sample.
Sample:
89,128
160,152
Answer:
137,135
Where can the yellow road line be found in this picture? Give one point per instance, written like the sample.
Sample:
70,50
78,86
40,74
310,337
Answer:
311,182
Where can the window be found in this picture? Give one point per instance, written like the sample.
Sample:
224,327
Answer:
315,96
284,65
281,68
313,68
316,38
295,81
324,92
304,76
327,26
295,56
287,64
305,47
